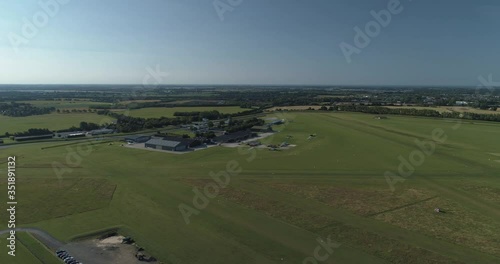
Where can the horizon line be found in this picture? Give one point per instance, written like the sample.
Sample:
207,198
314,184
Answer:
297,85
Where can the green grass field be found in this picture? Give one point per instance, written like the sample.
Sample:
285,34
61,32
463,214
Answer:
155,112
52,121
37,249
23,255
57,121
28,251
66,104
331,185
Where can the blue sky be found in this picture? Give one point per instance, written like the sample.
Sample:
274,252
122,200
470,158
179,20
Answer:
447,42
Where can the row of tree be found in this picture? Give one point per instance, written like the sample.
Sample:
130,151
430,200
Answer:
22,109
196,116
31,132
214,114
132,124
67,111
240,125
84,126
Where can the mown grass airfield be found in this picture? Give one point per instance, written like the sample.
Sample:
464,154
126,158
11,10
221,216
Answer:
370,185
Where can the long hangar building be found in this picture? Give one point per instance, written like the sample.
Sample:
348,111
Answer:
168,144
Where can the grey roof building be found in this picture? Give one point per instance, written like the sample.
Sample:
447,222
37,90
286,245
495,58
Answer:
102,131
235,137
167,144
137,138
71,134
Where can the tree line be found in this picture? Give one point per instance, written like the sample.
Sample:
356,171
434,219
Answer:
214,114
22,109
132,124
31,132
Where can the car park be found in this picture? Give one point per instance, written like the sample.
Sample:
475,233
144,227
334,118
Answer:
66,257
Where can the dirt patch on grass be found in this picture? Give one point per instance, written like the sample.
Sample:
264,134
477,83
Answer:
412,209
484,192
360,201
389,249
456,224
112,240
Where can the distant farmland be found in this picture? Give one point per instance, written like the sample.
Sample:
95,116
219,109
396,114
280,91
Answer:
169,112
67,104
52,121
57,121
443,109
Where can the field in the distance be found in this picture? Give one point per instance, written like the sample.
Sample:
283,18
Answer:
156,112
66,104
273,211
443,109
56,121
440,109
52,121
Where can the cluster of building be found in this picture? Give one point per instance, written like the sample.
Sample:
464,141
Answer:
170,143
185,144
234,137
74,134
166,142
163,143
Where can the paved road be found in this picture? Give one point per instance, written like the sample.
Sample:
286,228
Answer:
44,237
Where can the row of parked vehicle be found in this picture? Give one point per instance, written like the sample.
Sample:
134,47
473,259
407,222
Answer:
66,257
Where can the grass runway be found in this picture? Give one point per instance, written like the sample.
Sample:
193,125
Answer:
278,205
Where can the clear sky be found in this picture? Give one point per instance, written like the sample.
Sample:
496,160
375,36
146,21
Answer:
446,42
